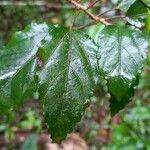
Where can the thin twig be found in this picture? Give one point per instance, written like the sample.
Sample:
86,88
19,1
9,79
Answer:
107,12
92,3
92,16
115,17
86,25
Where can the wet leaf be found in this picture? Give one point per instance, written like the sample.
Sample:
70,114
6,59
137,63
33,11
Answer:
94,30
123,52
137,14
18,65
147,2
66,80
124,5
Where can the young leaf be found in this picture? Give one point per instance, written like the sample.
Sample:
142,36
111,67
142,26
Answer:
124,5
123,52
137,14
66,79
18,64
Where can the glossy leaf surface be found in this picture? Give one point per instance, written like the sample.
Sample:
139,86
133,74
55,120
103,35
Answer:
123,52
18,64
124,5
147,2
137,14
66,80
94,30
60,63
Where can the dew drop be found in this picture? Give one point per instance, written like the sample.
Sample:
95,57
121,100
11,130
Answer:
106,78
139,71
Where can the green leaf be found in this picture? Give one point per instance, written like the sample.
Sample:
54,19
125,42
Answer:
137,14
56,61
124,5
123,52
94,30
18,65
147,2
30,143
66,80
148,21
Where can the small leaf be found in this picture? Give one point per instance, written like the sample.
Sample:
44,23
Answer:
18,65
123,52
124,5
137,14
66,80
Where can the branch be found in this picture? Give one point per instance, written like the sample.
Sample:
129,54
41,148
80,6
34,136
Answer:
116,17
92,16
86,25
92,3
107,11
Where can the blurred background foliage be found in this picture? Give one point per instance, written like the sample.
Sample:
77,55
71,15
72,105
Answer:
25,128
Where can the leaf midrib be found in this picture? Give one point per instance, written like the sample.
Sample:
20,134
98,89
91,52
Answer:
57,45
119,51
88,64
68,64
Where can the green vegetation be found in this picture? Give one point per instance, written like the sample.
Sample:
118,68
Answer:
75,62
